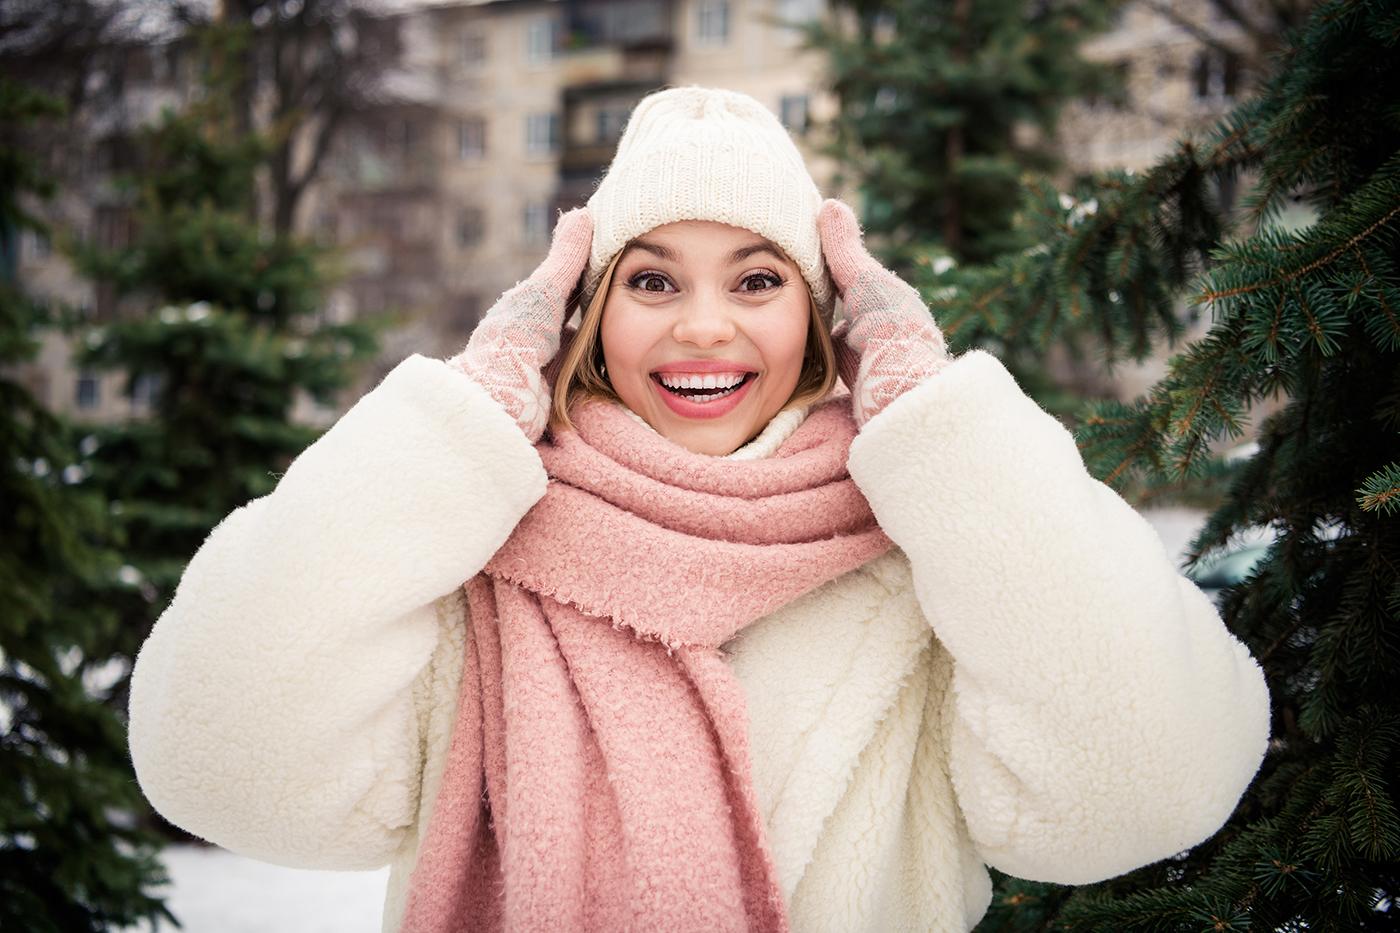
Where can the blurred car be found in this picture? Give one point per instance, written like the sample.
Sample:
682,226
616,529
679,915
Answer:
1228,567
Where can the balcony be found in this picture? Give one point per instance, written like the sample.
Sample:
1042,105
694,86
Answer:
629,24
589,65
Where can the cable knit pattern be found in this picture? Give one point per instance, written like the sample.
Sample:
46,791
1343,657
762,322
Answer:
888,343
507,352
697,153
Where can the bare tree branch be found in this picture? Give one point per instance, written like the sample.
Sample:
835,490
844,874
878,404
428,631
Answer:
1260,35
1165,9
323,58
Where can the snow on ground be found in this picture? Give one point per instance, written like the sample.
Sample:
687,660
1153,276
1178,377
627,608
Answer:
1176,525
215,891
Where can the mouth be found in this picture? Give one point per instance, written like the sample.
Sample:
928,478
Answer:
704,403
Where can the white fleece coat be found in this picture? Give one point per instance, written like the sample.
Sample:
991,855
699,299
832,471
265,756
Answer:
1025,681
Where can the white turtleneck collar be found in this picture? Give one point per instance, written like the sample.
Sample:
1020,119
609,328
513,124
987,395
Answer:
768,440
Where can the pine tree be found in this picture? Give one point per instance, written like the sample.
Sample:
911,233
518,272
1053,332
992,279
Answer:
934,103
944,109
72,856
219,322
1309,316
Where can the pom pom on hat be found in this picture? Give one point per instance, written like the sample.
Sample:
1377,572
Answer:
697,153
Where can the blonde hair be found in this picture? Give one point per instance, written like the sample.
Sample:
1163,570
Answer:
579,375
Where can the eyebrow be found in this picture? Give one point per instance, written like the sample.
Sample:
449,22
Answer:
739,255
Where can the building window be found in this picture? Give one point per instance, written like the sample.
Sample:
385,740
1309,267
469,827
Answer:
39,246
1117,97
541,38
89,393
104,302
471,138
400,138
800,12
792,110
621,21
883,27
115,227
712,22
325,226
1227,193
610,123
471,226
145,390
795,16
472,48
1216,75
541,133
536,225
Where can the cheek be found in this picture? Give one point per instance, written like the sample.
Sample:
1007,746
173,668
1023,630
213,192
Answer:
782,337
625,335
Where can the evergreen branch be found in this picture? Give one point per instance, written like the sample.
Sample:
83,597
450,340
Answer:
1381,491
1313,315
1209,296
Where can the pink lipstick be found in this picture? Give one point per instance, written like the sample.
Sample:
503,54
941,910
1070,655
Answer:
688,408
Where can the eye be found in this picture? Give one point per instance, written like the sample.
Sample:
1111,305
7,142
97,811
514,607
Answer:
644,282
767,278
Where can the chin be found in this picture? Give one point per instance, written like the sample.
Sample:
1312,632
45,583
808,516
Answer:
718,438
719,441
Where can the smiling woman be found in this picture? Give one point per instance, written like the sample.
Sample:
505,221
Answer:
651,670
705,331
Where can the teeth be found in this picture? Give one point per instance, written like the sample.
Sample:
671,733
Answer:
711,381
706,399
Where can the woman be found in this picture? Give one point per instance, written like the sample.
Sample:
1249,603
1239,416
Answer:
577,640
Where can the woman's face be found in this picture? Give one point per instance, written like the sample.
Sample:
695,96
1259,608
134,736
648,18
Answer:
701,298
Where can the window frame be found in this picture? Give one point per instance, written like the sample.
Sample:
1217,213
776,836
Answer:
707,13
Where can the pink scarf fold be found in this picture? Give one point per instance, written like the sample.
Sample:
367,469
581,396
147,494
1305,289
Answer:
598,776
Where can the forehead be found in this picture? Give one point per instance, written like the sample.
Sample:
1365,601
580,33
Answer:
701,241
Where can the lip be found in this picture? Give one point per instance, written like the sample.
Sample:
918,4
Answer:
707,411
704,366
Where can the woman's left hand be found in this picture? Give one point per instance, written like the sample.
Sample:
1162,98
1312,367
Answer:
888,342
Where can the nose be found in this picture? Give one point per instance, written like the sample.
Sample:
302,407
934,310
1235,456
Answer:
705,321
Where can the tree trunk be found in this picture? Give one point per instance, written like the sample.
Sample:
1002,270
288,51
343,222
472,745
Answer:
953,151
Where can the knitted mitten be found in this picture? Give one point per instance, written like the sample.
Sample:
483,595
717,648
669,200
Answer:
888,342
508,352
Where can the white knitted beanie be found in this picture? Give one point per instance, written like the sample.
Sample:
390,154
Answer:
697,153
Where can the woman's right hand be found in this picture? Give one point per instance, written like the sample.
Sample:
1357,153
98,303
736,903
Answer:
507,353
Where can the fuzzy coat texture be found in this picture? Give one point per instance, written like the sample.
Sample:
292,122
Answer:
1024,681
595,697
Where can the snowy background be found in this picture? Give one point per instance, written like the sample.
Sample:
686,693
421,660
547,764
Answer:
215,891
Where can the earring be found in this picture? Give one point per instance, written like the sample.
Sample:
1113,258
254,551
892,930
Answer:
603,370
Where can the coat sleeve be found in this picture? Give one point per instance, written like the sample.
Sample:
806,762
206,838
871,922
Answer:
272,706
1103,718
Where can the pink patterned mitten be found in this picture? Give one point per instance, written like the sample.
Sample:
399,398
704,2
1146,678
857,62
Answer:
888,342
508,352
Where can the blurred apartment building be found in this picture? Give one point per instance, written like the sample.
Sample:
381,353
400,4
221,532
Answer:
1176,84
508,112
502,113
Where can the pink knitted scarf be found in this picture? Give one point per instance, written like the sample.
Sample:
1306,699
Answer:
598,776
